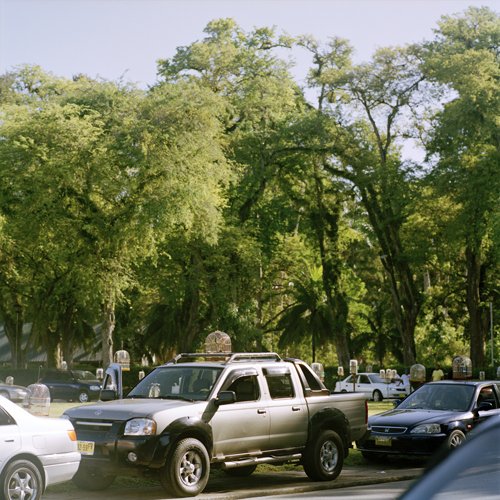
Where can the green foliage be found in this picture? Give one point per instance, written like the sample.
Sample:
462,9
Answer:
220,199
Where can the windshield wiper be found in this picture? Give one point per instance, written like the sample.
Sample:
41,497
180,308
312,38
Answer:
169,396
136,396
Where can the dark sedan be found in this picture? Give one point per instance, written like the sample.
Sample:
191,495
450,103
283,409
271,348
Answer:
472,471
72,385
435,414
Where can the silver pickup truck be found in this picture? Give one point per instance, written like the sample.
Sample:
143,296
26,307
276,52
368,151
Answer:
230,412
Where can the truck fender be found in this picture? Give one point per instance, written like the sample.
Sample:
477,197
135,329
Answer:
179,429
330,418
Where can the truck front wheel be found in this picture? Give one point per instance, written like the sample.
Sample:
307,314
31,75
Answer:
324,457
186,472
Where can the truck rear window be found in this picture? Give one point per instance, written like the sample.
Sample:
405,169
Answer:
279,382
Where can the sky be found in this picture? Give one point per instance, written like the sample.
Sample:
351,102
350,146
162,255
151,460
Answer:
125,38
116,39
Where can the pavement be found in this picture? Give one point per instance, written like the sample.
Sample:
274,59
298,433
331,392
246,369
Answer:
262,484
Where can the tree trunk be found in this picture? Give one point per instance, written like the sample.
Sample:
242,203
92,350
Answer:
473,300
326,226
189,327
67,334
107,327
406,301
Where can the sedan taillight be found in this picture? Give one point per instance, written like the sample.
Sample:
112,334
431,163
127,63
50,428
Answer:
72,435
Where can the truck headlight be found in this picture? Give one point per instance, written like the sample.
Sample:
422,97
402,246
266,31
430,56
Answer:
426,429
140,427
95,387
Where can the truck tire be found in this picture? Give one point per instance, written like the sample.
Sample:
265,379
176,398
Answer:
21,479
186,472
377,395
92,479
324,457
245,471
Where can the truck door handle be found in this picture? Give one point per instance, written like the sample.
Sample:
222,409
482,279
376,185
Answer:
295,408
261,412
9,440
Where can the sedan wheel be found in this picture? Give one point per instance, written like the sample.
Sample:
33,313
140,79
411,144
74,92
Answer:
456,438
22,480
83,397
377,395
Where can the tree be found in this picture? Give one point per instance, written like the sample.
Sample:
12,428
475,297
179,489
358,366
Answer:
107,170
379,94
307,317
465,146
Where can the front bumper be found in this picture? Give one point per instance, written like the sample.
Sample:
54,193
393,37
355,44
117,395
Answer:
402,444
112,449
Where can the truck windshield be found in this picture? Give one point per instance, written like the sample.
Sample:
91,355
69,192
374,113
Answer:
177,382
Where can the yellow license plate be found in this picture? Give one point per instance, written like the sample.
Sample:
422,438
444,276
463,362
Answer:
403,395
383,441
86,447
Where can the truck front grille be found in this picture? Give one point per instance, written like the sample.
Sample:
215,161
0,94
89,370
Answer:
92,425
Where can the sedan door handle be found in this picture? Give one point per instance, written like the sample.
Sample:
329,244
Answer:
261,412
295,408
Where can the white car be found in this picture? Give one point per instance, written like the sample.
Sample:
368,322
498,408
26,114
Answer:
35,452
372,386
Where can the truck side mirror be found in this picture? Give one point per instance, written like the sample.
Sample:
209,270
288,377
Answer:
107,395
225,398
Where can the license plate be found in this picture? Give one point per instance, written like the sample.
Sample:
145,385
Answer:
383,441
86,447
403,395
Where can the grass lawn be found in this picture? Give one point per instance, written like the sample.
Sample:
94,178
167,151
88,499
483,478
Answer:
354,458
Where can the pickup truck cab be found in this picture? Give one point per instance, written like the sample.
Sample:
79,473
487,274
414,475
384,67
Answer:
231,412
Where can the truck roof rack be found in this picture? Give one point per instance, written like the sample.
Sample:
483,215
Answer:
230,357
240,356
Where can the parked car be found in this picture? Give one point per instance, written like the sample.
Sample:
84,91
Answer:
15,393
436,414
372,386
36,452
234,413
72,385
471,471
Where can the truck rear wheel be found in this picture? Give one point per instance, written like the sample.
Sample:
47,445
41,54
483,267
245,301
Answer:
186,472
324,457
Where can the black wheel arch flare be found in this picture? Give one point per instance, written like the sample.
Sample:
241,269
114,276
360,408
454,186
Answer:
181,428
332,419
